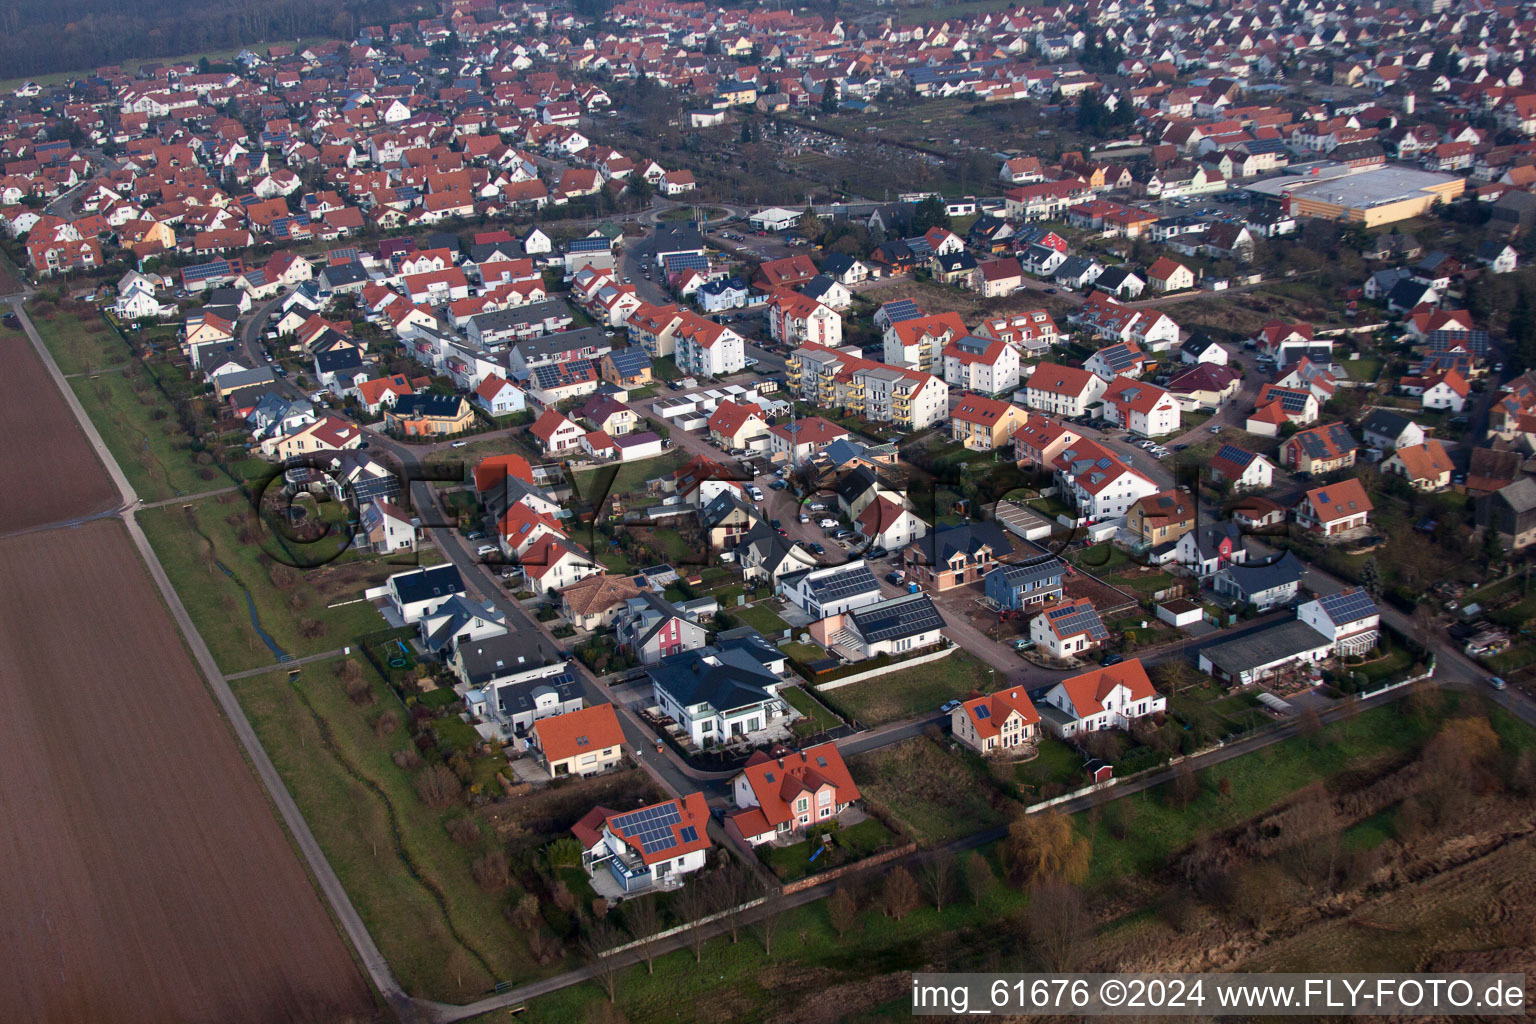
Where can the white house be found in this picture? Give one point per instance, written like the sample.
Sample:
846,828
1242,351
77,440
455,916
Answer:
1105,698
1065,391
830,591
1141,408
1068,628
420,592
1349,618
652,847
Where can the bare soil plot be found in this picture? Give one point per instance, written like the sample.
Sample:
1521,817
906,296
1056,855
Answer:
49,471
143,873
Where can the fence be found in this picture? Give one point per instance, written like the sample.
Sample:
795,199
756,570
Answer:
894,666
1063,798
811,881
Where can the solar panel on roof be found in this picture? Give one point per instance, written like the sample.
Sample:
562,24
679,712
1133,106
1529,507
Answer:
856,580
1074,619
1349,606
1292,401
983,712
690,834
892,619
898,310
1232,453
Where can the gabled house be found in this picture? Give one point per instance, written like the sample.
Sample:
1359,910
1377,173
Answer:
1067,628
1426,466
781,794
1104,698
719,694
652,847
1026,584
1334,509
956,555
1319,449
582,742
1244,469
997,723
1349,618
1264,585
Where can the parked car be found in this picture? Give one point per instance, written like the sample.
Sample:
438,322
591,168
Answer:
1023,645
876,552
817,547
803,518
458,444
485,549
949,706
1496,682
777,485
775,524
828,524
1111,659
842,534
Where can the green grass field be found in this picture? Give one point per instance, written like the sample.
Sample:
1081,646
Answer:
79,344
817,718
852,843
218,605
631,476
762,618
443,937
1258,781
905,693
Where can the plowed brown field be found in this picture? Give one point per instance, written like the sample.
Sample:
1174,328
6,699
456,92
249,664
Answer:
49,471
143,875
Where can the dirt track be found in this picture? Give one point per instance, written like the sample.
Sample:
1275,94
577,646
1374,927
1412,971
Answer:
49,472
143,875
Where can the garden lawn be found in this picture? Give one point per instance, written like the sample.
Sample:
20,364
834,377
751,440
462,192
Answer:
817,718
762,618
907,693
139,427
1055,763
853,843
443,937
631,476
189,542
737,982
936,795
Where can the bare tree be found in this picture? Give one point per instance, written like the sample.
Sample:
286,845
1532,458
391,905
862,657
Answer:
733,887
437,786
644,923
899,896
979,877
491,871
768,923
842,911
1057,925
1184,787
693,904
938,878
595,946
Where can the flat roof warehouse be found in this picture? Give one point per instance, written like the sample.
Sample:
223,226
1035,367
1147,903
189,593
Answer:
1380,195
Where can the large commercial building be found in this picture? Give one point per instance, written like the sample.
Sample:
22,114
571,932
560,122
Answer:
1373,197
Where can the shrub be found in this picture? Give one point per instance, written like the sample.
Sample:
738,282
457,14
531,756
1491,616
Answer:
437,786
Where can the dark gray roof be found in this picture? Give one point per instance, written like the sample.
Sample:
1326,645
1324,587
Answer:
1049,569
520,697
906,616
723,679
1254,578
504,656
968,538
1265,647
425,584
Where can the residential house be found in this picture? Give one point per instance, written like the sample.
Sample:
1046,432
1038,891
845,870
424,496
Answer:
1264,585
1103,698
720,694
999,723
1025,585
781,794
1510,512
832,590
652,847
651,628
956,555
1211,547
1245,470
1349,618
1319,449
556,434
735,426
1426,466
982,365
1140,407
1386,430
888,524
429,414
417,593
581,742
595,601
1159,520
899,625
1166,275
983,424
1334,509
1067,628
1267,654
1063,391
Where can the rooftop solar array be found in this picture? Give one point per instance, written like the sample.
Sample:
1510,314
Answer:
1235,455
651,827
982,711
1030,572
1070,620
1313,441
1475,342
890,620
1348,606
1118,357
680,261
203,271
898,310
1291,401
855,580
